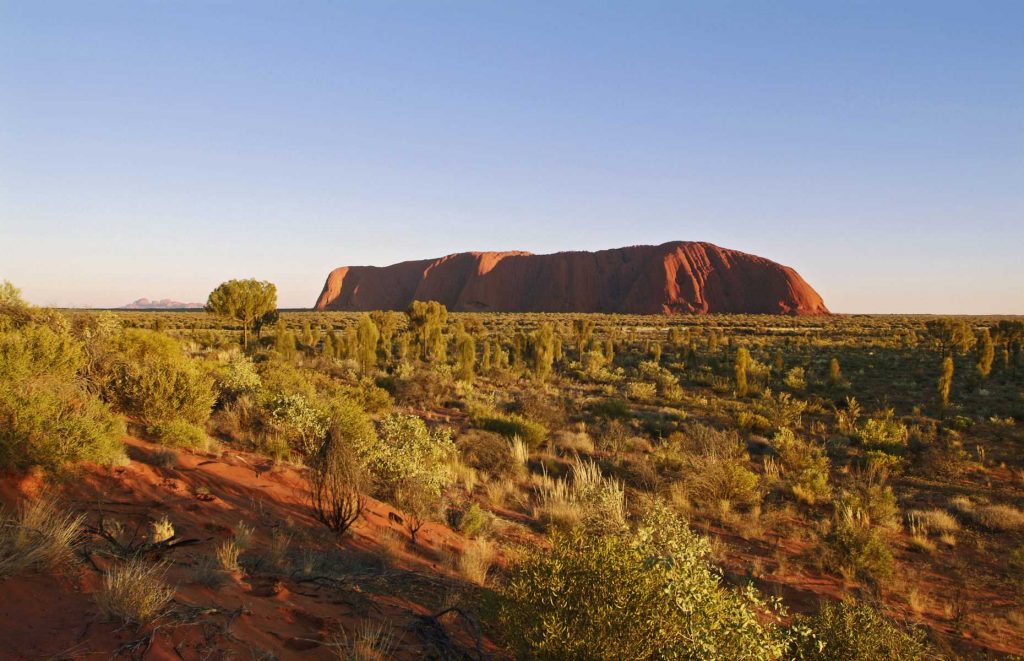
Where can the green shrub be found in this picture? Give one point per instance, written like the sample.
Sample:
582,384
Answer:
805,467
153,380
487,452
513,425
855,632
180,434
411,457
637,595
474,521
238,377
48,417
884,433
858,548
296,421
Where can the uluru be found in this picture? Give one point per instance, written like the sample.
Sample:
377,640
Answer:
674,277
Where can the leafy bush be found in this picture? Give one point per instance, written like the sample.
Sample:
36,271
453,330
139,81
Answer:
474,521
855,632
238,377
48,417
884,433
180,434
300,424
805,467
858,548
513,425
487,452
410,454
155,381
643,595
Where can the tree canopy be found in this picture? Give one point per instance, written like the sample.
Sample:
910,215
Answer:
245,301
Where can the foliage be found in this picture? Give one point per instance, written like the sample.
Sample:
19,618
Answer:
153,380
513,426
410,458
179,433
855,632
245,301
637,595
298,422
48,417
337,479
805,467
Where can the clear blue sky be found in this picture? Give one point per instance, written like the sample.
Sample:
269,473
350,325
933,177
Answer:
158,148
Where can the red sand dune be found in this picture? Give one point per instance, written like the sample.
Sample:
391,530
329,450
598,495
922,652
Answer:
674,277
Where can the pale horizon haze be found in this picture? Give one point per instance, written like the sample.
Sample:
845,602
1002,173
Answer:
155,149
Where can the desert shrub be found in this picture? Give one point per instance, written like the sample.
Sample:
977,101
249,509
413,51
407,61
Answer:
855,632
513,425
135,592
643,595
641,391
857,547
876,502
487,452
180,434
795,379
709,466
162,459
238,377
39,535
1015,563
805,466
474,563
153,380
411,457
723,482
337,481
612,409
781,409
884,433
369,396
474,521
297,422
48,416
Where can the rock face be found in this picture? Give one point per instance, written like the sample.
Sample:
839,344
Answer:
674,277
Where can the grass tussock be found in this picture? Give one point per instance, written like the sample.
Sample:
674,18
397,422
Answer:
38,535
135,592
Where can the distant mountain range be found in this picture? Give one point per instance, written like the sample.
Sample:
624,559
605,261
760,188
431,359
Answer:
162,304
674,277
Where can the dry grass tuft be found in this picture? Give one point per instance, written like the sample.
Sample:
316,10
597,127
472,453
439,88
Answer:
38,535
371,641
135,592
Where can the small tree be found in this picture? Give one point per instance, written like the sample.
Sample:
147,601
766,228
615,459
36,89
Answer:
986,353
542,341
834,375
367,337
742,364
245,301
945,380
465,352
